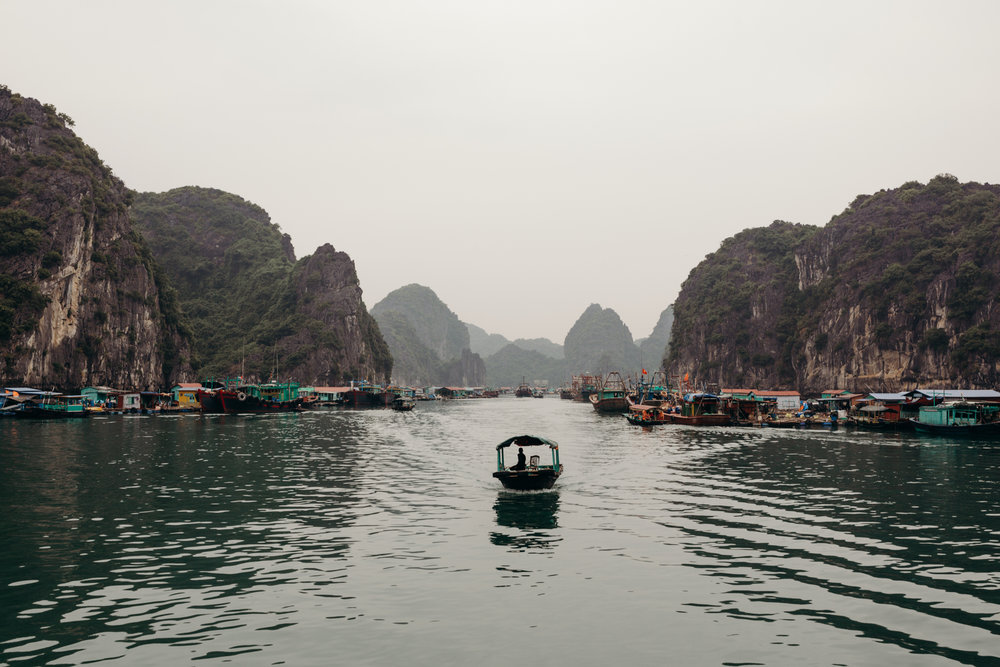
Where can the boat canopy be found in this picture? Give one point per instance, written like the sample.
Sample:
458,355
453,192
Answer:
527,441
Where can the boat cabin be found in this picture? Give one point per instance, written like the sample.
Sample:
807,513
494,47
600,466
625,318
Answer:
534,475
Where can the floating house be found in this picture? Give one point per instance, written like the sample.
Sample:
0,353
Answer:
185,395
100,395
784,400
324,395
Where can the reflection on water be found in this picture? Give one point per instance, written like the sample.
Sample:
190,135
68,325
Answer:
533,515
357,537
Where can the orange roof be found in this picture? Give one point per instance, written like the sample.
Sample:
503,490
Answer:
330,390
189,385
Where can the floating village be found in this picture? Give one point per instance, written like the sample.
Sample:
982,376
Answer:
657,401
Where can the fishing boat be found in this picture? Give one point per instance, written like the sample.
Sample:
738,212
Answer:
537,393
251,398
53,405
533,475
610,396
959,418
701,409
655,391
523,390
362,395
584,386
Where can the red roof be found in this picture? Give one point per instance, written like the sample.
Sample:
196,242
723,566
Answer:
189,385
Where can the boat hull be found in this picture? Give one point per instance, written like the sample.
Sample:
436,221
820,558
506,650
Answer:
702,420
961,430
637,420
615,404
359,398
528,480
225,401
37,412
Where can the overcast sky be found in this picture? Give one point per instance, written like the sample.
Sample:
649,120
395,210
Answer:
523,159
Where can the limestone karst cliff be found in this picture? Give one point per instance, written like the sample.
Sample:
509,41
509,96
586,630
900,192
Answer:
899,290
599,342
253,309
429,341
81,298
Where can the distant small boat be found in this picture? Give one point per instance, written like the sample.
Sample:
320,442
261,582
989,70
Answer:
533,476
523,390
537,393
403,404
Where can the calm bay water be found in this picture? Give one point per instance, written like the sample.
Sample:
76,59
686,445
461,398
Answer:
376,537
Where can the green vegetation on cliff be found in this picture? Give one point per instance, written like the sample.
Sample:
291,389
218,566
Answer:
81,298
897,290
249,304
429,343
437,327
599,342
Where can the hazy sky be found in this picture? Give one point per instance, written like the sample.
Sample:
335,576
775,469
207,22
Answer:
523,159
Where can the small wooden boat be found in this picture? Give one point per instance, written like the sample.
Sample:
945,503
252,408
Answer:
533,476
648,415
403,404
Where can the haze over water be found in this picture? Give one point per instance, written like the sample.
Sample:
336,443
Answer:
376,537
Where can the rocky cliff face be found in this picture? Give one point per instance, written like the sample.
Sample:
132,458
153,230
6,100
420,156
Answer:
599,342
81,298
434,323
654,347
341,340
897,291
255,311
429,341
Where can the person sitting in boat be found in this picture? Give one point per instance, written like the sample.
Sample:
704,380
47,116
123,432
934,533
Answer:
522,460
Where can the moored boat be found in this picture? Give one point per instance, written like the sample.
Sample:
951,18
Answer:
701,409
523,390
249,398
610,396
959,418
531,475
53,405
362,395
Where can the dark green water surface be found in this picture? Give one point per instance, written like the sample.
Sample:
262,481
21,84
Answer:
380,538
